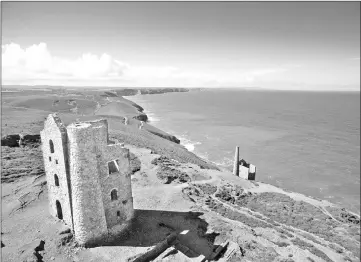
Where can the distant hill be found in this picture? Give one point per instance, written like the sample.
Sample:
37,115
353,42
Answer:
111,90
148,91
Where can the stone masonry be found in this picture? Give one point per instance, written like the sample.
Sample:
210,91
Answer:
243,169
88,179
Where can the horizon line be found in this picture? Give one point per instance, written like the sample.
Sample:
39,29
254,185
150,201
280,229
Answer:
248,88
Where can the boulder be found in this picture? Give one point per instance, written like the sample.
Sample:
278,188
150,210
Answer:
30,252
10,140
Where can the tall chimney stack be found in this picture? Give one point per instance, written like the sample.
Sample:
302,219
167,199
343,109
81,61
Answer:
236,162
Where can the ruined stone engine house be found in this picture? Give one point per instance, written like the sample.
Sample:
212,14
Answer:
88,179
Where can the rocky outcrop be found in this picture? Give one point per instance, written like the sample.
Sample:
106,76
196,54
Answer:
135,163
26,140
167,172
344,216
297,221
141,117
32,252
168,175
168,137
164,161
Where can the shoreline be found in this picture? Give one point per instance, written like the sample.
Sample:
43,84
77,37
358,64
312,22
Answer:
184,141
229,167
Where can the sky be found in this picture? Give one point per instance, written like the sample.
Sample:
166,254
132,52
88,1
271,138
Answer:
271,45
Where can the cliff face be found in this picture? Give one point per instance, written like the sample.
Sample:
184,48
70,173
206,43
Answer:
148,91
162,90
168,137
126,108
122,108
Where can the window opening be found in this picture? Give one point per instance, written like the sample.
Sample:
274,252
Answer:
114,195
56,180
51,145
113,166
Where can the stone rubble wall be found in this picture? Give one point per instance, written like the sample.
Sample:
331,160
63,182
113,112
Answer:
121,181
88,210
61,193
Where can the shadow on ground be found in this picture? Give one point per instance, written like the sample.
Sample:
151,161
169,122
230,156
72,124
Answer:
149,227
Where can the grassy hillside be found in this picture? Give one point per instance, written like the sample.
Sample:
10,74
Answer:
205,212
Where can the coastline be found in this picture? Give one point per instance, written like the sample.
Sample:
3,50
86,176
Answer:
226,163
184,141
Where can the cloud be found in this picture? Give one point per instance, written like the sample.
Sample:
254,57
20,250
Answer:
36,61
36,65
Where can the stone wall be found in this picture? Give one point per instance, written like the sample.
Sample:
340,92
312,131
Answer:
243,172
121,182
120,210
252,172
56,164
88,210
248,173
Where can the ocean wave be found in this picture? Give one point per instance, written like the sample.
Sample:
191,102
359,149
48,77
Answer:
190,145
151,117
225,162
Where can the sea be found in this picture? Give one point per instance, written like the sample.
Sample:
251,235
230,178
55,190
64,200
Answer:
307,142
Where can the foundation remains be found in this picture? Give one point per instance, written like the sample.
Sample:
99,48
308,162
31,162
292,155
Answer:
88,179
